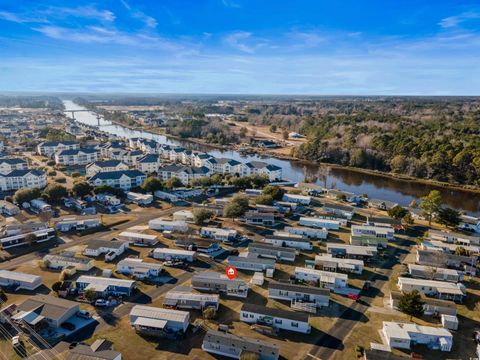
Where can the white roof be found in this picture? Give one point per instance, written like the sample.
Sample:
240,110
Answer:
151,312
403,330
139,264
155,323
442,286
184,295
371,228
219,231
329,257
314,219
174,251
321,273
103,282
136,235
435,269
18,276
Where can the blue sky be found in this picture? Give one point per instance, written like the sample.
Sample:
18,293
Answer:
241,46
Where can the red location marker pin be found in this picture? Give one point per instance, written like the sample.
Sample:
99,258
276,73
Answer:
231,272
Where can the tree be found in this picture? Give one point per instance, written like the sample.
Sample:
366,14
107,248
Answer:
201,215
411,304
430,204
26,195
413,204
236,208
460,250
285,135
273,128
81,189
209,313
448,217
57,286
243,132
275,192
407,219
397,212
264,199
55,192
89,294
152,184
173,182
30,239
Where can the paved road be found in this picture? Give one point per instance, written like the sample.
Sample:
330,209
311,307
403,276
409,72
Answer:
332,340
141,218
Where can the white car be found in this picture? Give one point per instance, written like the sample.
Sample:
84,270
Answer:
84,314
101,303
16,342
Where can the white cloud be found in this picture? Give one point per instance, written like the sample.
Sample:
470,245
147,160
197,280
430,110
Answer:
231,4
454,21
243,41
148,21
89,12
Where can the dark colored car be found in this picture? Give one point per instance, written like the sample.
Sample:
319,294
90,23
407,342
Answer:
68,326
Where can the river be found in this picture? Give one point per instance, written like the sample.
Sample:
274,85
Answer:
379,187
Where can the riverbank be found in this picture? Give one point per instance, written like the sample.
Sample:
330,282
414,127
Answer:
282,156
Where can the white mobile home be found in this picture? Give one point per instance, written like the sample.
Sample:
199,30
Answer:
64,260
251,263
435,273
98,247
326,279
139,239
289,240
139,268
104,286
345,211
173,254
317,233
168,225
72,224
431,306
280,319
329,263
403,335
319,223
352,251
439,289
271,251
219,283
299,199
19,281
184,297
233,346
298,293
154,321
218,233
140,199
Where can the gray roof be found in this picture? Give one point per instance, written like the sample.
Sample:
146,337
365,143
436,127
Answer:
245,343
112,244
271,247
375,354
299,288
284,314
48,306
100,349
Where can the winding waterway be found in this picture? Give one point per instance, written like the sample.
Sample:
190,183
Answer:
401,192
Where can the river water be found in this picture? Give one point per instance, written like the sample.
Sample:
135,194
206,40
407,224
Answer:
379,187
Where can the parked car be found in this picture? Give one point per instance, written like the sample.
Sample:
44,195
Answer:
16,342
68,326
101,303
84,314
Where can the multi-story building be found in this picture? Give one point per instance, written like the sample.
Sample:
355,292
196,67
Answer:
20,179
7,165
123,179
75,157
105,166
49,148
